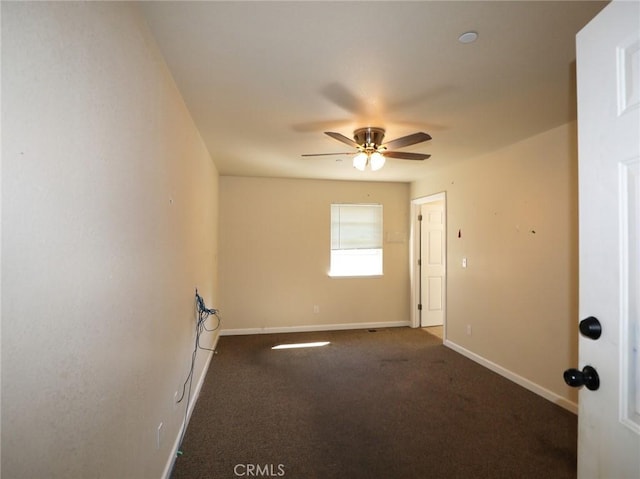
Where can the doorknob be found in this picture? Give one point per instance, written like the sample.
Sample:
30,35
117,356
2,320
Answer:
587,377
591,327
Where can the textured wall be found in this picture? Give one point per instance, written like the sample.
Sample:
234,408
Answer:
108,224
517,214
275,239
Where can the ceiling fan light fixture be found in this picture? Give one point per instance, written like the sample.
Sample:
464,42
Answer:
360,161
377,161
372,151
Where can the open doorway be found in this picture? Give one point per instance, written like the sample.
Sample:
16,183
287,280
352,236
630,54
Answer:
428,264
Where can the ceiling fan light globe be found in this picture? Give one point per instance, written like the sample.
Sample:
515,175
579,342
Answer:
377,161
360,161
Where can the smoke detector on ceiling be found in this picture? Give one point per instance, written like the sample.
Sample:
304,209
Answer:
468,37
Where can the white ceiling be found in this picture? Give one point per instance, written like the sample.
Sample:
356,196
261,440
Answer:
264,80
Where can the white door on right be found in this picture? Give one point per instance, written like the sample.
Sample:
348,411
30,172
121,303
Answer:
432,264
608,72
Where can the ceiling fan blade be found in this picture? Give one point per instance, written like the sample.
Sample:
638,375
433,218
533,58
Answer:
402,155
345,99
327,154
431,94
342,138
407,140
313,126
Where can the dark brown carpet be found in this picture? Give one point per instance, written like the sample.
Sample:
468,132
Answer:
392,403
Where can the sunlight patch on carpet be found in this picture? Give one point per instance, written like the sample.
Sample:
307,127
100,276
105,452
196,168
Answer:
301,345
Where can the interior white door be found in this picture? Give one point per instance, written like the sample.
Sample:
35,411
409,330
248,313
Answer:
432,262
608,72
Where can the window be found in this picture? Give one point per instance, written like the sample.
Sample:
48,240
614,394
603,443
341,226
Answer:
356,240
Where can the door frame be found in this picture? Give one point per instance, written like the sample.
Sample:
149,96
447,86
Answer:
414,254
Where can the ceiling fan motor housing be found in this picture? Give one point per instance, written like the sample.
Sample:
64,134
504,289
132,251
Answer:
370,138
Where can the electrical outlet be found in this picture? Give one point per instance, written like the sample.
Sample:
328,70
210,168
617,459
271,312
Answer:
316,308
468,330
159,435
464,262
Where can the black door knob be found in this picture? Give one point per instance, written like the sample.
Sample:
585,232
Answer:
587,377
591,327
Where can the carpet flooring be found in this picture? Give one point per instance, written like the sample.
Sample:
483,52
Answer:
390,403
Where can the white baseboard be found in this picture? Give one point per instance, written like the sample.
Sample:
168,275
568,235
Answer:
516,378
315,327
192,403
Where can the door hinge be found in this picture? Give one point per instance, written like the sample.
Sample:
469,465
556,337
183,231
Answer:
419,262
419,217
419,307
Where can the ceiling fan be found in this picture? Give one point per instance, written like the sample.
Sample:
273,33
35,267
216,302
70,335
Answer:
371,151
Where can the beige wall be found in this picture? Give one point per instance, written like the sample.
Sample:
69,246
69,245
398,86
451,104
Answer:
516,210
110,220
274,256
108,224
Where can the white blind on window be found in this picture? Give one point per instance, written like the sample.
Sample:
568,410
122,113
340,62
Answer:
356,226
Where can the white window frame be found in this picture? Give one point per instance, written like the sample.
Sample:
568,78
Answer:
356,251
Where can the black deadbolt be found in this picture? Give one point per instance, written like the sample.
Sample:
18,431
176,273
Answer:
591,327
587,377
